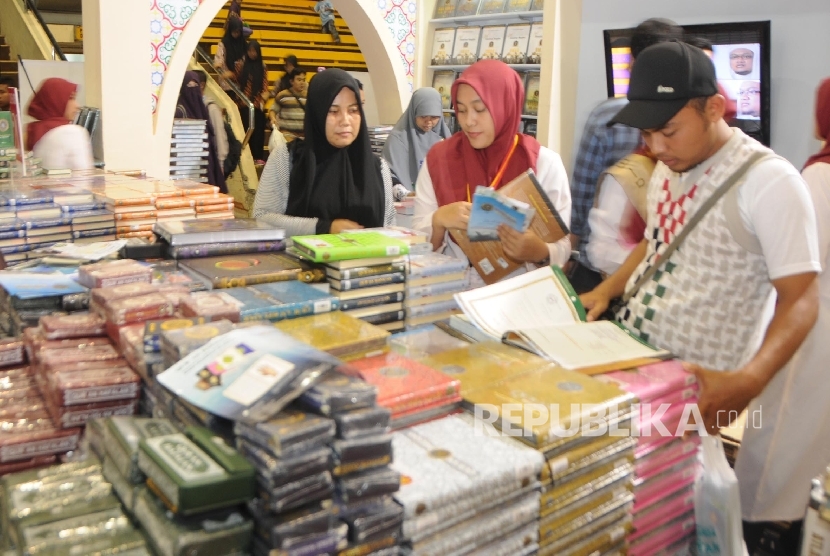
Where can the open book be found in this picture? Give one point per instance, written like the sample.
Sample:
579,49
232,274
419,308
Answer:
488,257
540,312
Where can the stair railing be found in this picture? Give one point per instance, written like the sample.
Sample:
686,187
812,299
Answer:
233,88
56,48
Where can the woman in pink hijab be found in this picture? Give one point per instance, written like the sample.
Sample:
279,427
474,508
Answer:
54,139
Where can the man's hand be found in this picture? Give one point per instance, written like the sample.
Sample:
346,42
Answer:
723,395
524,247
596,302
341,224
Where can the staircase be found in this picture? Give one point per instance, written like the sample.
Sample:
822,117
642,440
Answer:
8,67
284,27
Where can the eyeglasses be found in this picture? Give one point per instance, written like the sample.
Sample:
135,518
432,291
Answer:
749,56
753,92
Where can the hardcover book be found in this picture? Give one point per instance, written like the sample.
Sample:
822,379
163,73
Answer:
365,271
280,300
368,281
466,7
492,209
333,247
531,107
534,50
242,270
445,8
335,333
492,40
434,264
189,232
442,47
466,45
491,7
442,82
515,43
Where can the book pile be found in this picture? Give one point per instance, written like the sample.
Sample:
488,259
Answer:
79,371
587,479
189,150
378,135
492,510
666,465
8,161
134,210
361,454
366,270
411,391
64,509
37,216
90,219
194,239
26,297
432,281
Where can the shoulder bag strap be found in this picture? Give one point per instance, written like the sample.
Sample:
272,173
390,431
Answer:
694,220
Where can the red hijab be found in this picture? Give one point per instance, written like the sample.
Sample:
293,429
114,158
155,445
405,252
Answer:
48,106
823,121
502,92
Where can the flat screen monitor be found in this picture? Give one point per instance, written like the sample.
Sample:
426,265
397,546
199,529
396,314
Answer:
741,55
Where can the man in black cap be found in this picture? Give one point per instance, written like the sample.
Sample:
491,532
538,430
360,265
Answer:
705,300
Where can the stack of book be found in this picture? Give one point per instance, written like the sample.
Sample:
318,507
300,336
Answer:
431,283
89,218
66,508
294,511
206,200
189,150
494,510
40,216
12,236
378,135
365,270
361,453
25,297
194,239
80,373
666,464
410,390
134,211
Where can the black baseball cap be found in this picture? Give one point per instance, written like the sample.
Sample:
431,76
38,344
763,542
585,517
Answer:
664,78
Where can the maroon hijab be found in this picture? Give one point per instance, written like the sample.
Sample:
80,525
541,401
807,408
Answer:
48,106
502,92
823,121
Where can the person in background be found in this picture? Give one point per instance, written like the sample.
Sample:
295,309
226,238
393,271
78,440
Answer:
217,121
488,99
288,111
229,51
192,106
252,76
5,96
60,144
326,11
602,146
329,181
777,461
235,11
285,81
706,46
417,130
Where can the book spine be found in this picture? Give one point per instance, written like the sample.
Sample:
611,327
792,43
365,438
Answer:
34,224
358,252
432,308
436,289
15,249
288,311
223,249
242,281
383,318
449,267
135,215
366,271
372,301
136,228
94,233
173,203
83,207
12,234
382,280
132,202
214,208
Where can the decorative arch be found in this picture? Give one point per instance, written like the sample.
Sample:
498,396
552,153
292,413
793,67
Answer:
379,49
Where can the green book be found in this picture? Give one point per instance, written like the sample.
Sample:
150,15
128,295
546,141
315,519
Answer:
325,248
6,130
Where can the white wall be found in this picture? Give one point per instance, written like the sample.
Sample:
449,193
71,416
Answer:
800,46
370,109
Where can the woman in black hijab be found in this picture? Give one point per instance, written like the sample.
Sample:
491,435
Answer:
331,181
252,76
191,106
230,50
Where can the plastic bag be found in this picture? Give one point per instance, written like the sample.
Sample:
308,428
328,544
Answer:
717,504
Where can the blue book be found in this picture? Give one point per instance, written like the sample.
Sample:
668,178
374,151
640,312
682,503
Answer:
277,301
12,234
48,222
428,265
94,233
11,225
84,207
30,285
492,209
15,249
33,197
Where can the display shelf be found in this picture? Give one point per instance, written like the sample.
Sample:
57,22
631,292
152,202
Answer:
514,17
517,67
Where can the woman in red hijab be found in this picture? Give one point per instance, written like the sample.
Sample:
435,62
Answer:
59,144
488,99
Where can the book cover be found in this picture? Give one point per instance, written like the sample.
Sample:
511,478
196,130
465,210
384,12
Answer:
83,207
220,249
466,7
404,384
241,270
371,301
280,300
189,232
651,382
434,264
442,82
491,209
466,45
384,318
332,247
531,107
367,292
515,43
6,130
492,40
368,281
491,7
444,8
534,49
248,374
335,333
512,6
364,271
442,47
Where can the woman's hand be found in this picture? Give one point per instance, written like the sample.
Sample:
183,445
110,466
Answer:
452,216
524,247
341,224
